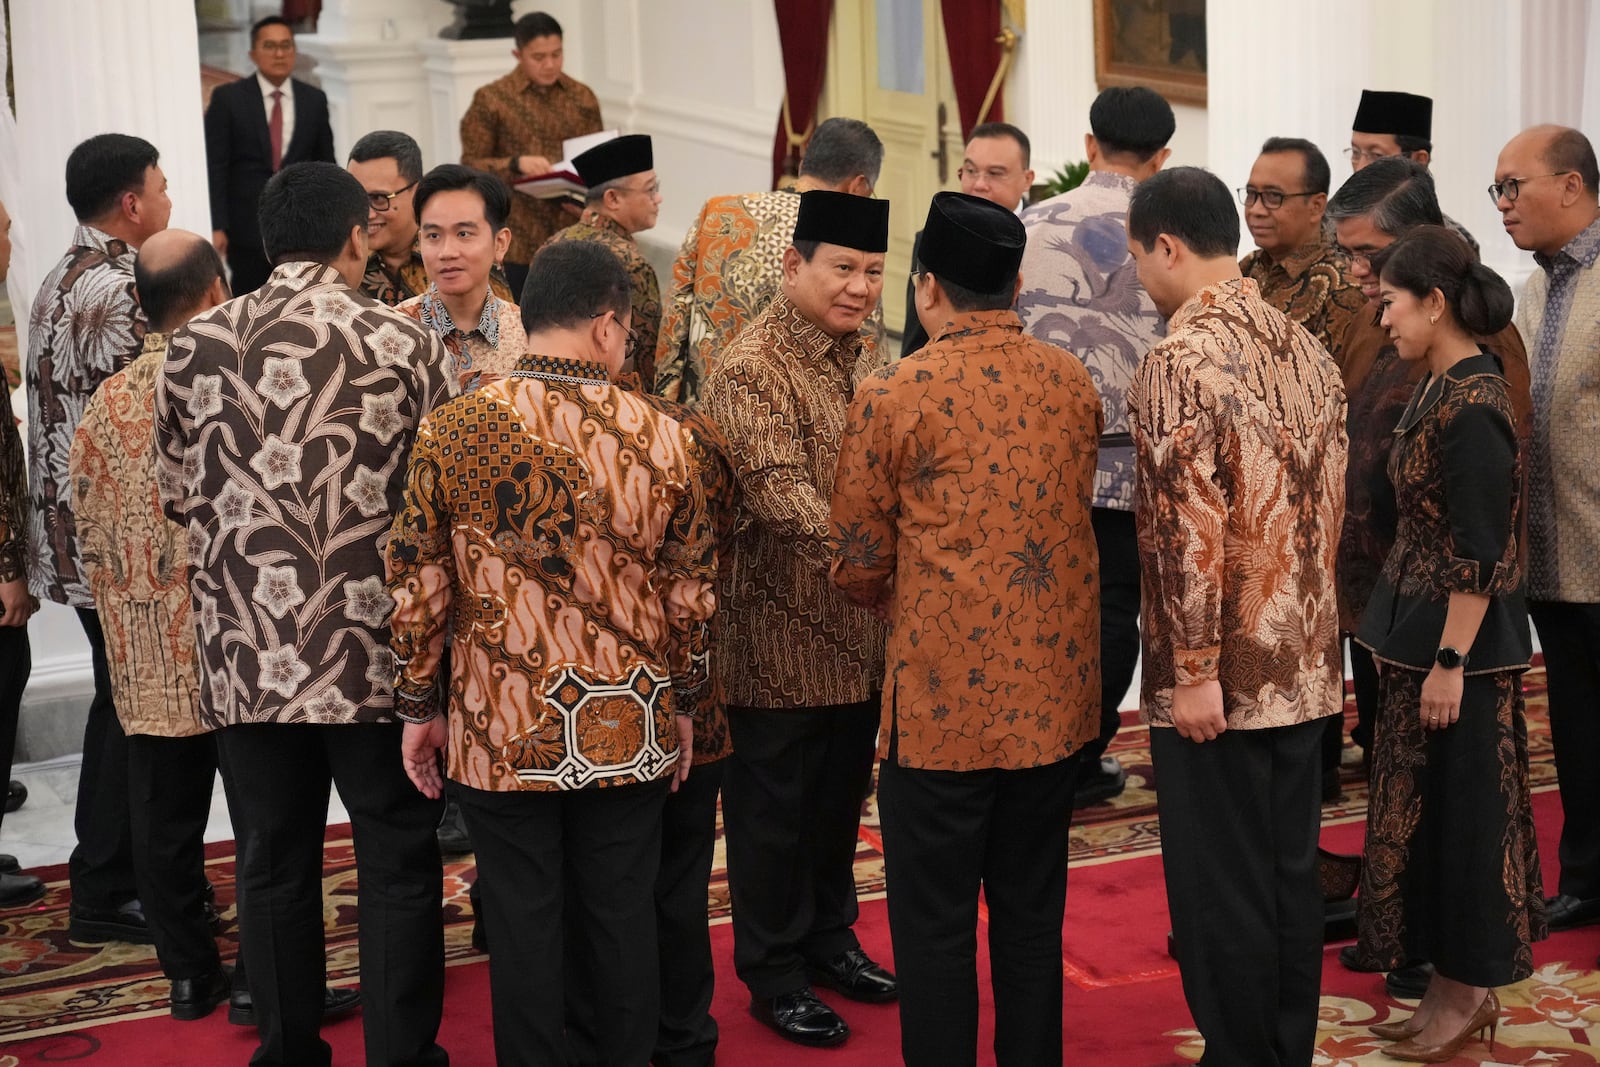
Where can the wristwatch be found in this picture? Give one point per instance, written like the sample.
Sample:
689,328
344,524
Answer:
1450,658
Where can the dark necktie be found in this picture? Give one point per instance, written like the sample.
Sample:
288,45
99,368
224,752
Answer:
275,129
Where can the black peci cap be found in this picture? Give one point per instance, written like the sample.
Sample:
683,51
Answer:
973,242
617,158
1398,114
831,218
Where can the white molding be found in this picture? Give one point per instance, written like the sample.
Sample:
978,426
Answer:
735,129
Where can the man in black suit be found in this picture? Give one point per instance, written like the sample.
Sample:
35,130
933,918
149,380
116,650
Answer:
254,127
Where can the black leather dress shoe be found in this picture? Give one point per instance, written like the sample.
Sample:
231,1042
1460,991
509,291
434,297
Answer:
452,831
336,1004
1350,959
19,889
1565,912
193,998
1409,982
853,973
802,1018
125,923
9,864
1103,781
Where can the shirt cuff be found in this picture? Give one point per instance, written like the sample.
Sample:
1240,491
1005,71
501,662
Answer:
1191,666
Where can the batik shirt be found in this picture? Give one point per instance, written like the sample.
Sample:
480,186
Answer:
85,326
411,280
781,395
1082,292
961,507
1238,423
13,492
135,559
728,269
608,233
487,352
554,526
510,117
1313,286
284,420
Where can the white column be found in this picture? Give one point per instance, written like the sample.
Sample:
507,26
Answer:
1555,46
453,71
1052,85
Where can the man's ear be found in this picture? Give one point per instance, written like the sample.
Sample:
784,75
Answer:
791,263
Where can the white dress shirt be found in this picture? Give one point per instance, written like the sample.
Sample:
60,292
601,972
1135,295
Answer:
286,102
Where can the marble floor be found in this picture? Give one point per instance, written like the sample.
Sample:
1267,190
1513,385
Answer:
40,833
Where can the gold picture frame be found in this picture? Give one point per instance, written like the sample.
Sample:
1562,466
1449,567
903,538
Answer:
1156,43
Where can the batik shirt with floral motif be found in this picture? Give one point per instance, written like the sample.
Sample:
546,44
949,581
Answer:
135,559
13,492
642,283
555,528
961,507
85,326
1313,286
1239,425
1080,291
487,352
284,422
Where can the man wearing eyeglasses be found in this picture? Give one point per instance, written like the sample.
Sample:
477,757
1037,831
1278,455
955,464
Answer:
1396,124
996,166
623,198
1544,187
1299,271
254,128
1080,291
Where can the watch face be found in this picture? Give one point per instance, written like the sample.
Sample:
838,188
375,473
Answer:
1448,658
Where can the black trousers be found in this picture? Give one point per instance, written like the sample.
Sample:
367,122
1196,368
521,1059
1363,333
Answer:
686,1035
791,810
516,277
1118,542
281,777
101,865
247,266
1570,637
1239,820
591,854
170,781
945,834
16,662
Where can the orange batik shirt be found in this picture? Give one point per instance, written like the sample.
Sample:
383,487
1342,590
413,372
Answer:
961,509
555,525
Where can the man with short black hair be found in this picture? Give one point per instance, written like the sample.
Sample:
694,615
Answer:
1295,264
1545,183
283,421
564,742
388,164
730,265
975,781
1389,124
85,326
802,666
623,198
998,167
1080,292
254,127
1238,424
515,126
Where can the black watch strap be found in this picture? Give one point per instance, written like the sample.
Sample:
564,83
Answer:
1450,658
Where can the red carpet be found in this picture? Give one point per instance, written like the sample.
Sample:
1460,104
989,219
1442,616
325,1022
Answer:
1123,1003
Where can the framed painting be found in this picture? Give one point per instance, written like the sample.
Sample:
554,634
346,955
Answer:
1157,43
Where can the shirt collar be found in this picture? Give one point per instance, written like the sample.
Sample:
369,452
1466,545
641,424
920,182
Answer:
437,318
812,340
154,342
1225,292
558,369
1582,250
267,88
1301,259
607,224
522,83
86,236
967,323
1110,179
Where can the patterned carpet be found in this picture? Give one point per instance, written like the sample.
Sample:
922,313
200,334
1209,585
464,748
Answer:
1115,961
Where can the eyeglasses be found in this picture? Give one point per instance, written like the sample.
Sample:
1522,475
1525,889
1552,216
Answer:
1511,188
1361,258
1272,198
1356,155
632,335
385,201
994,174
276,46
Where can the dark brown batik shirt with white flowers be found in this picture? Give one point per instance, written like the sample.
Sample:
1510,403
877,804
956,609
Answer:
284,421
85,326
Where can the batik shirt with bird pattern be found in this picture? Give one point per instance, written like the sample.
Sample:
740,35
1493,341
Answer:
1080,290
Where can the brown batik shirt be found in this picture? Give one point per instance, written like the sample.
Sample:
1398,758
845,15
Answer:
484,352
395,287
642,281
1239,432
781,395
553,524
13,492
1313,286
510,117
961,506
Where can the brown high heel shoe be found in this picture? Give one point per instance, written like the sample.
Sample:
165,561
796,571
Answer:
1396,1031
1487,1017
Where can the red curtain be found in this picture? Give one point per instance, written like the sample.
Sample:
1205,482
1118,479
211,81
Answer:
971,28
803,36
